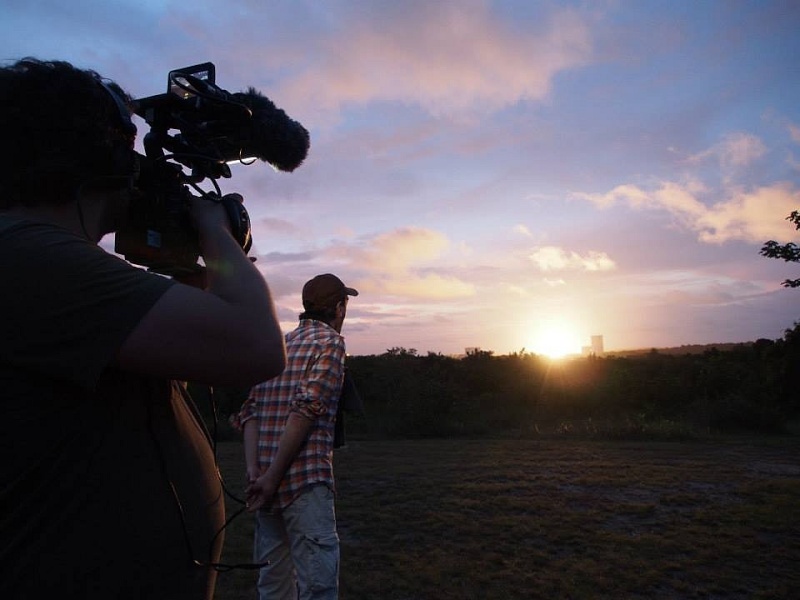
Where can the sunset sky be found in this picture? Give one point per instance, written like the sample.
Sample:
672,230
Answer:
488,172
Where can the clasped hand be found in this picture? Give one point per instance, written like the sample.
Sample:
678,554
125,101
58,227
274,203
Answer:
260,491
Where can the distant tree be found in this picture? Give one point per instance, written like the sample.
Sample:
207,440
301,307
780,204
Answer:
789,252
400,351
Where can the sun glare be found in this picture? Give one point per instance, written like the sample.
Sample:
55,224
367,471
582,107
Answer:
555,340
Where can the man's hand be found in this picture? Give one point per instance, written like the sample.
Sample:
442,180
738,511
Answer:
252,474
227,334
209,214
260,493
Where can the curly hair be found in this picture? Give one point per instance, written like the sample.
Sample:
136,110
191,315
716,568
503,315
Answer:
61,128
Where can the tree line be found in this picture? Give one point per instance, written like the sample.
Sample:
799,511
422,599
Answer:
751,387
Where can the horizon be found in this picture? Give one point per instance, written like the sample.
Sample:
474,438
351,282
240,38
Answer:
496,174
558,356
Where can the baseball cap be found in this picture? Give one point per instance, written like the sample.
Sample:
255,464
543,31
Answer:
324,291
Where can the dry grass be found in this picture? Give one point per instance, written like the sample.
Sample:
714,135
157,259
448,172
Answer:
460,519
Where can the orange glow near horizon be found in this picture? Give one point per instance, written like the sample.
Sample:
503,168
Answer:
555,339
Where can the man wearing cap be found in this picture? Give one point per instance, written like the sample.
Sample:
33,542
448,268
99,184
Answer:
288,424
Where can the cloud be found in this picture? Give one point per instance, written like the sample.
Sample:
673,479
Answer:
463,57
522,230
735,151
429,286
554,282
273,226
395,263
794,132
753,216
553,258
396,251
286,257
630,194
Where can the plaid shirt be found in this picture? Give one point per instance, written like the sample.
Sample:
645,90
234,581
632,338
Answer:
310,385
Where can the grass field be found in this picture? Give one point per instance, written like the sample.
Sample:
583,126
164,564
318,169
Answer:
556,518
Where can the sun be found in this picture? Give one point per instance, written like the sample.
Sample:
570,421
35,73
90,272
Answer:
555,339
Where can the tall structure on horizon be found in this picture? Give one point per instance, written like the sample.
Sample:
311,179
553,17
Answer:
596,348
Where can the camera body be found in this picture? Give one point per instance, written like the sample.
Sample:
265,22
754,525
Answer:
196,130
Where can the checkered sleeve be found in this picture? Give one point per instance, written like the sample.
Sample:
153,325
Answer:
323,384
248,409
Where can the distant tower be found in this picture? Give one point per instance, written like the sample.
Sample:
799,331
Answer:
597,345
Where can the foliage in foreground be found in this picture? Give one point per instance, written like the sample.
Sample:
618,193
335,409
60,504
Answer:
787,252
754,387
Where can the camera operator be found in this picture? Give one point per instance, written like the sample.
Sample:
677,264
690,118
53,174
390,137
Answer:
108,484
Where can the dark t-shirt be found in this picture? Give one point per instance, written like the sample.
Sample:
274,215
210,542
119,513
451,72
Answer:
108,487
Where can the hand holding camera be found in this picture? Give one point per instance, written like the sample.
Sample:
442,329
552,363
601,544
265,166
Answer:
210,212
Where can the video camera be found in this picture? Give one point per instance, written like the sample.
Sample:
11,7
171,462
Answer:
199,126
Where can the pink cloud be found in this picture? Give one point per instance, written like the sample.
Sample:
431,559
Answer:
444,57
736,150
752,216
552,258
398,263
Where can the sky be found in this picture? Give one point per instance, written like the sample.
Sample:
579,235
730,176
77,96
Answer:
510,176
